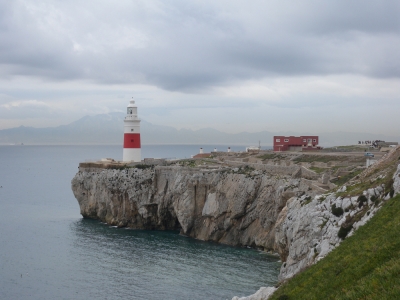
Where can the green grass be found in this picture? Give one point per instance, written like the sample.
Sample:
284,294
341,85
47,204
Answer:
365,266
270,156
343,179
349,148
319,158
267,156
357,189
318,170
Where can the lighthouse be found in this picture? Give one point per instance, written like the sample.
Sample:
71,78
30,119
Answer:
132,151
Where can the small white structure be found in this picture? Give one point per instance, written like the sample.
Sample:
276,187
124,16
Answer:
132,146
215,150
229,149
370,162
201,151
253,149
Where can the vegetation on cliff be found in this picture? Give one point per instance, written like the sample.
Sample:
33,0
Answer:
365,266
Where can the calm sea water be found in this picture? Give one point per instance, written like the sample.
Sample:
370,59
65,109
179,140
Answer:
47,251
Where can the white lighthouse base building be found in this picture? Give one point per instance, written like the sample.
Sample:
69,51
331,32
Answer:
133,155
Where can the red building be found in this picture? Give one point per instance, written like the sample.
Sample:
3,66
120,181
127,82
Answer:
296,143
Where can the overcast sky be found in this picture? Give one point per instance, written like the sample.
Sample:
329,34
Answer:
303,66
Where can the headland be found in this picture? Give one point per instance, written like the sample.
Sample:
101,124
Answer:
300,205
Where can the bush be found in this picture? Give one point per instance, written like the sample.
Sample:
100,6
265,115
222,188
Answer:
391,193
343,231
390,183
141,166
337,211
361,200
375,199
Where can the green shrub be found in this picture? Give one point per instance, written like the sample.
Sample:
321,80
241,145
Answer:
391,193
361,200
306,201
337,211
343,231
375,200
141,166
389,184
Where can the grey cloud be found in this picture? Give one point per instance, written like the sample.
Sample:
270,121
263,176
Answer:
189,46
26,109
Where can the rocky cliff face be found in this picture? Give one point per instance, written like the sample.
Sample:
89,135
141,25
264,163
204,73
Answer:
306,231
231,206
237,206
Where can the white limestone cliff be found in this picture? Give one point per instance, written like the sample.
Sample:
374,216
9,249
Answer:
226,206
306,233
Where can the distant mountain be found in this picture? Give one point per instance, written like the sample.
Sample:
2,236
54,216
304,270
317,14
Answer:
99,129
108,129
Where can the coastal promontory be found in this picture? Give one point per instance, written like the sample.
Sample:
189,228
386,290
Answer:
301,206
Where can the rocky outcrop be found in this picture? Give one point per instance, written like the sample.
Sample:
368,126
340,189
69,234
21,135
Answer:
307,232
396,181
231,206
262,294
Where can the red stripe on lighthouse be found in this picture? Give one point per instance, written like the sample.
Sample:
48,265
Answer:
132,140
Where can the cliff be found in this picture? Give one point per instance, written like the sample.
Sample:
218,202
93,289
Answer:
235,206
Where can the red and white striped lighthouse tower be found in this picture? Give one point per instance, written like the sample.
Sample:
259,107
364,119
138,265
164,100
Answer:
132,151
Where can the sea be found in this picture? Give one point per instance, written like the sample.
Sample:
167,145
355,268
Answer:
48,251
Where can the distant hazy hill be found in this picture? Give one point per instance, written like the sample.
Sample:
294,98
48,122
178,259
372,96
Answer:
108,129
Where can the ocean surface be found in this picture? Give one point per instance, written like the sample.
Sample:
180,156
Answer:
48,251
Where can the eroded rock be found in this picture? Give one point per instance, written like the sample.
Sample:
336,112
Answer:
226,207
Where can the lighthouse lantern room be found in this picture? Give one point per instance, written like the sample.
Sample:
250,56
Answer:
132,151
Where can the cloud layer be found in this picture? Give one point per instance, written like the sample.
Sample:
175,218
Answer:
185,46
190,62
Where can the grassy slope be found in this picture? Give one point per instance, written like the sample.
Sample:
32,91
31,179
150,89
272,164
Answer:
365,266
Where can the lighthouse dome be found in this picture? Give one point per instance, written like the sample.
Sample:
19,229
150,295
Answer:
132,103
131,110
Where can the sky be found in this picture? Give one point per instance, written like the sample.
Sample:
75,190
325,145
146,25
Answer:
302,66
